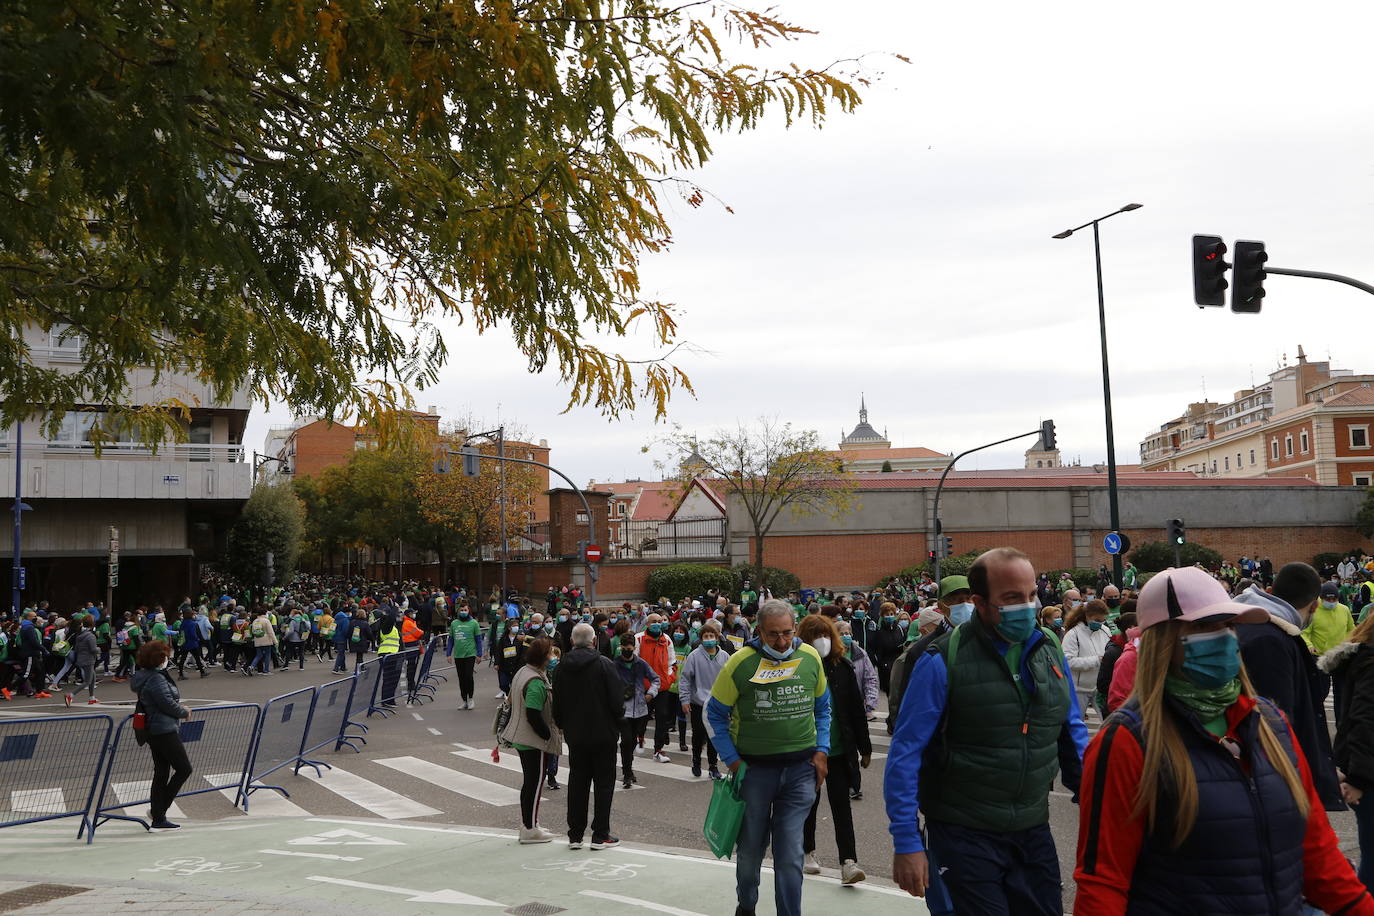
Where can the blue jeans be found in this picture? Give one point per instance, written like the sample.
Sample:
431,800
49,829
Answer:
262,659
777,800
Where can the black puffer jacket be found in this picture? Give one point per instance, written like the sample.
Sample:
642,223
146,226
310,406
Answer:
1351,664
588,698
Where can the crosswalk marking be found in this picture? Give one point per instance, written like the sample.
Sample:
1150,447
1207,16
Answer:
263,803
365,793
131,793
38,801
512,763
473,787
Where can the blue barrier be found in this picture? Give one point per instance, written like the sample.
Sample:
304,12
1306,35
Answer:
389,686
218,740
50,767
329,720
423,677
369,675
280,741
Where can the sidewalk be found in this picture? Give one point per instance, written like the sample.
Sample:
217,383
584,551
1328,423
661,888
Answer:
344,865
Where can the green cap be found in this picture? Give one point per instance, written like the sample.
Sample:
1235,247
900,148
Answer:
951,584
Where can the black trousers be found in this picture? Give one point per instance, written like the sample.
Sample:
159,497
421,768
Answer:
531,786
391,679
193,654
837,790
412,665
699,737
464,667
998,873
590,767
664,709
630,732
171,768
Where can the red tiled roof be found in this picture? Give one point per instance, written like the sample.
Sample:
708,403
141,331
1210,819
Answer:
1355,397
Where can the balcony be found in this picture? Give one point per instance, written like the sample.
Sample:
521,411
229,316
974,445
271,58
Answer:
184,472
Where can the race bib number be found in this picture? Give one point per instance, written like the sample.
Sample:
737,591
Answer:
770,672
736,641
508,652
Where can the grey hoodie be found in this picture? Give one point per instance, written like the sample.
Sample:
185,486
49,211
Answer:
1277,607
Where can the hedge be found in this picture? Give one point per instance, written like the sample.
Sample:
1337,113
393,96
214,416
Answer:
688,580
779,581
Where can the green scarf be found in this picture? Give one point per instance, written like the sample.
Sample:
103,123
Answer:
1207,703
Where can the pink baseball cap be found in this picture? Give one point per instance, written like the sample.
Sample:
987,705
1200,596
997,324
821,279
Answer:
1190,594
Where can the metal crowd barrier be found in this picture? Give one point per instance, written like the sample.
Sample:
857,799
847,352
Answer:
389,689
369,675
423,676
218,741
50,767
329,720
280,741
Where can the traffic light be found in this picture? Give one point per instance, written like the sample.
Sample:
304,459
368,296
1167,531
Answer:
1048,440
948,546
1248,294
269,572
1177,532
471,462
932,554
1209,270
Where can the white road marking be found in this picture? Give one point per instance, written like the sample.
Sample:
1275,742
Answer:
435,731
642,904
365,793
38,801
343,838
481,790
132,793
453,830
463,747
262,803
418,717
510,762
440,896
311,855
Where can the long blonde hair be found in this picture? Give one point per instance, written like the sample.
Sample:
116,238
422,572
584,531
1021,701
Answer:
1165,756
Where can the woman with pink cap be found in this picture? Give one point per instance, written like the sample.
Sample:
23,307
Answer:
1196,796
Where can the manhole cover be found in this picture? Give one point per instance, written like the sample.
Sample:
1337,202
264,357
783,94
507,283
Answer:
535,909
35,894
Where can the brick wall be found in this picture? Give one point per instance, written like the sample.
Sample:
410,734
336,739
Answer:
1281,544
565,531
621,580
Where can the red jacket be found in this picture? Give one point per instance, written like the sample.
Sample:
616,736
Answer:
1328,880
1123,676
658,654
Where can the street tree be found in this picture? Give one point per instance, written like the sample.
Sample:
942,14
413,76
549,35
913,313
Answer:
294,199
273,520
770,468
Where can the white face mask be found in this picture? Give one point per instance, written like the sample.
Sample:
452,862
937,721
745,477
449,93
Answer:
163,666
822,646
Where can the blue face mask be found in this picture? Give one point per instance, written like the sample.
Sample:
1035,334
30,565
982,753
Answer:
1017,622
708,643
775,654
847,640
655,629
614,619
1094,625
859,615
1211,659
463,615
553,663
960,614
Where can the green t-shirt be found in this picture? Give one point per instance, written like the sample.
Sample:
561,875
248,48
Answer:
747,597
1013,658
462,637
681,650
536,695
772,703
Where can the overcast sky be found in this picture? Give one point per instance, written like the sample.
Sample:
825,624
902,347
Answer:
904,251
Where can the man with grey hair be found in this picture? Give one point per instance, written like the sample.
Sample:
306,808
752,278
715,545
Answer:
588,705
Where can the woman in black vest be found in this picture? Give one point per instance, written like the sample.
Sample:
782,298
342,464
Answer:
1196,796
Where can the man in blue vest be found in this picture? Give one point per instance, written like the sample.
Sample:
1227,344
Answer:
993,703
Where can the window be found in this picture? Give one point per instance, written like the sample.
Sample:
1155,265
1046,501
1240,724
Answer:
65,341
1226,463
581,518
75,431
620,509
1359,436
1274,449
1252,457
1361,480
1237,461
1040,464
1214,465
1302,441
1288,446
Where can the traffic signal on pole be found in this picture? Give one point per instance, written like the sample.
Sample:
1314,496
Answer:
1248,293
1177,532
471,463
948,546
1209,270
932,554
1048,439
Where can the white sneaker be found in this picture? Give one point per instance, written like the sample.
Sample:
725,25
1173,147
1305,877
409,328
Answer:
660,757
467,704
499,695
531,835
811,866
851,873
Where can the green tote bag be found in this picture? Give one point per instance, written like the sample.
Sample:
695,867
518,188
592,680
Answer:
725,814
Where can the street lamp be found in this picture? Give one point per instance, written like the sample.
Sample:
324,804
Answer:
1106,377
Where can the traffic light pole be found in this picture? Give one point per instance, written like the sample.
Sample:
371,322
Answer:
591,519
1117,569
935,519
1319,275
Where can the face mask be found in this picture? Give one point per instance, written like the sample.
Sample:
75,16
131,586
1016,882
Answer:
1329,605
775,654
1112,602
679,637
586,618
1211,659
696,624
847,640
708,643
960,614
1017,622
562,618
859,615
553,663
1094,625
822,646
548,627
904,624
627,652
163,666
1058,623
655,629
1075,604
463,615
614,620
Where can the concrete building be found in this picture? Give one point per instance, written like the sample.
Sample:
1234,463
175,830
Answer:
1060,518
172,507
1306,420
864,450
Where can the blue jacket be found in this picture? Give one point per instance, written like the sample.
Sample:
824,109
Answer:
923,707
161,699
343,623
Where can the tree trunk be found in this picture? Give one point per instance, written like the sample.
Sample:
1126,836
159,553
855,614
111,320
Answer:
758,559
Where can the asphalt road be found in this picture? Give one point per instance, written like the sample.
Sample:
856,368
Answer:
432,763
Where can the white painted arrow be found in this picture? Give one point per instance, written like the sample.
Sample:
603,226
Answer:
446,895
343,838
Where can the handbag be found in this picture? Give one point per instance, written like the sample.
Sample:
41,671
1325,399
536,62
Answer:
139,722
725,814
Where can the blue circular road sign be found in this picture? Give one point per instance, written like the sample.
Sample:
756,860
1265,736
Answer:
1112,543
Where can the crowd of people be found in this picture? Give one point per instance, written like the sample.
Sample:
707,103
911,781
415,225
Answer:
1205,788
